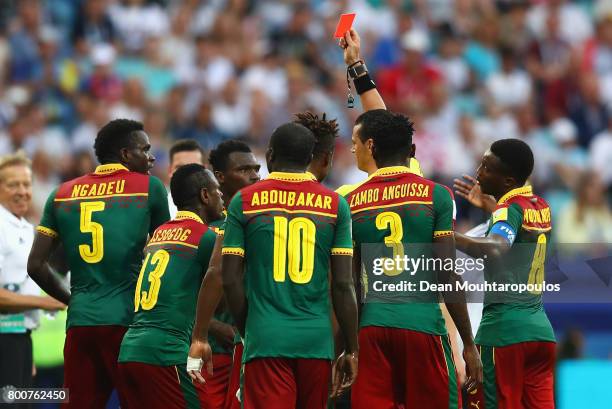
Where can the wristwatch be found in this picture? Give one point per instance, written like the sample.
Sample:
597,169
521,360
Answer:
357,69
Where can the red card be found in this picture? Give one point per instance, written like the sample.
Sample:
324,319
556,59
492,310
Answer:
344,24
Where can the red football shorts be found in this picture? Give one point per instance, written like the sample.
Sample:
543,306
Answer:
212,393
156,387
286,383
90,364
231,399
517,376
404,368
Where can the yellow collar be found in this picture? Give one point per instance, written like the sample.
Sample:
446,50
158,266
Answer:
185,214
519,191
292,177
109,168
393,170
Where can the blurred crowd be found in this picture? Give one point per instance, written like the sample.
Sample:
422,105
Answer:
467,72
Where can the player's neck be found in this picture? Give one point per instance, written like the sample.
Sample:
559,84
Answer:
288,169
504,192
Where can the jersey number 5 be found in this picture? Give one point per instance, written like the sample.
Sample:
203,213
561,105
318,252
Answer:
94,253
294,240
148,299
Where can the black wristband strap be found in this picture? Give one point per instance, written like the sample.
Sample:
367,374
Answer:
363,83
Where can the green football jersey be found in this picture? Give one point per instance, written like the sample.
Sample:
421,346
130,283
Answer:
222,314
513,317
287,227
176,259
103,220
395,211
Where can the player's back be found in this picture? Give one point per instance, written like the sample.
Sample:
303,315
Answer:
103,220
397,213
166,293
291,226
512,316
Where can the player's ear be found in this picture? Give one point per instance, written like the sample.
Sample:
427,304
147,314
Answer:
204,196
124,155
219,176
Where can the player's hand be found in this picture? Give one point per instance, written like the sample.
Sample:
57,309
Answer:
344,373
51,304
469,189
473,367
351,43
200,354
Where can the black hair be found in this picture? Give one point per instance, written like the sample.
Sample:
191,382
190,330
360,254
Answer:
293,144
114,136
390,132
516,156
324,130
185,145
219,157
187,182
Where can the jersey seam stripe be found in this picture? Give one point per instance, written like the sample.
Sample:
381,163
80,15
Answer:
172,242
278,209
390,205
47,231
99,197
439,233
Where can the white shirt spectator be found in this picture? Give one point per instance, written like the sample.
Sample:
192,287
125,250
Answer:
509,90
171,206
601,156
16,237
135,23
575,25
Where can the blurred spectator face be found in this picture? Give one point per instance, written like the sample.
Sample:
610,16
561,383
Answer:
301,19
184,158
589,88
605,31
552,25
451,47
16,189
95,9
18,131
155,123
525,118
591,191
231,92
29,12
133,92
204,115
84,163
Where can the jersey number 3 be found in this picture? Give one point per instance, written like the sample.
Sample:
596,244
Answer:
294,240
94,253
148,299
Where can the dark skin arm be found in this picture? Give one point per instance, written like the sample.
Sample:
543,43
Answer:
444,248
41,272
493,246
345,307
233,286
211,292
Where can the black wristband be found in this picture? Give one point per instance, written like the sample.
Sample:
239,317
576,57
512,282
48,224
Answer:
363,83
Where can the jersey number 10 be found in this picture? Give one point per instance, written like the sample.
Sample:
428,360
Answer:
294,241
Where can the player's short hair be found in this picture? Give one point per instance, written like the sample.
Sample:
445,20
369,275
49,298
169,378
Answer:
516,155
219,157
187,182
390,132
293,144
324,130
185,145
114,136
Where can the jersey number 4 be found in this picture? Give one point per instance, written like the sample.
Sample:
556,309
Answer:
94,253
148,299
294,241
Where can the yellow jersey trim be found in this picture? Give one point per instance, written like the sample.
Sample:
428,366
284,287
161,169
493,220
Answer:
47,231
390,205
109,168
180,243
519,191
337,251
386,171
233,251
186,214
292,177
442,233
545,229
280,209
67,199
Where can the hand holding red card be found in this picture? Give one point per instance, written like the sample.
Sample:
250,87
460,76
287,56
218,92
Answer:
344,24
